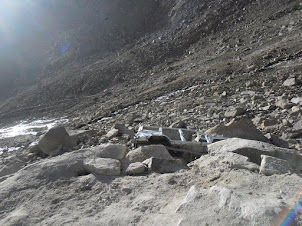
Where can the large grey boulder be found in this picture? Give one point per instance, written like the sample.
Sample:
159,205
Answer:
103,166
142,153
242,128
254,149
54,138
271,165
164,165
113,151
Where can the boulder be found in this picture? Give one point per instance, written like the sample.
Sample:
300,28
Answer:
271,165
113,151
103,166
135,168
53,139
254,149
164,165
241,128
234,111
142,153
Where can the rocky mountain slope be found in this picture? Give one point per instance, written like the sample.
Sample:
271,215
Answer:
168,45
228,68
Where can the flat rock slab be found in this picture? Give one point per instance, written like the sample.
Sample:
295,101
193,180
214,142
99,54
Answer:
103,166
164,165
241,128
271,165
142,153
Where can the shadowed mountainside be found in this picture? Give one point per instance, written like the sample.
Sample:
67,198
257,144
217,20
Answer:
110,54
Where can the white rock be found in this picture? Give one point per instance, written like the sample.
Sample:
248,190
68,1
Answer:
112,133
297,100
291,81
103,166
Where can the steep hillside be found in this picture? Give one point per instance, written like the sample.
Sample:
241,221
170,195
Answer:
110,54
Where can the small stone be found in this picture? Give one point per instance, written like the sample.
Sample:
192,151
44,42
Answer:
296,109
298,125
223,94
122,129
250,84
112,133
283,103
297,100
268,122
291,81
233,112
178,124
